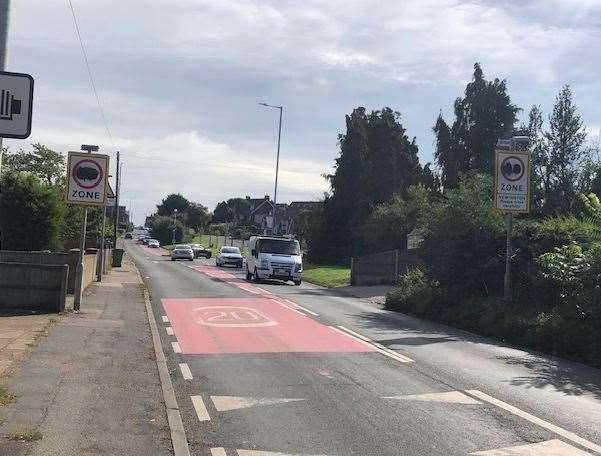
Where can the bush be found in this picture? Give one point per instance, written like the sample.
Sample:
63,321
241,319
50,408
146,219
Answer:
31,213
415,293
161,229
464,241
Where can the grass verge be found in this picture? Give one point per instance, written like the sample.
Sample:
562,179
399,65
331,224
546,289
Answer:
5,397
327,275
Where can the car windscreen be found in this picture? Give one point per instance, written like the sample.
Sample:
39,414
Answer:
279,246
182,247
230,250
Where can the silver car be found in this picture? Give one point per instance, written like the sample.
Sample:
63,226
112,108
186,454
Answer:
229,256
182,252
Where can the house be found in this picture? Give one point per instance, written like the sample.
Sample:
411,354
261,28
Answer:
287,217
259,210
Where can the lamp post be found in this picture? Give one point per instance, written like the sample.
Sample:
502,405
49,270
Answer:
174,225
277,165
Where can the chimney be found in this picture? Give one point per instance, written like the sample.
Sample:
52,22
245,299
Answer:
266,197
247,197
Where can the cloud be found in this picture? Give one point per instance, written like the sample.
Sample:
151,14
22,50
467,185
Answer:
182,80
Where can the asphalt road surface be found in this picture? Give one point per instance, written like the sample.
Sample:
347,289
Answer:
274,369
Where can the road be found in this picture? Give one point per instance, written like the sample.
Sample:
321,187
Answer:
275,369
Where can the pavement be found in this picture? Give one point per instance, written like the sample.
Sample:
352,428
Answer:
90,386
277,370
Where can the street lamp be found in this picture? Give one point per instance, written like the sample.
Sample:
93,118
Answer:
174,225
277,163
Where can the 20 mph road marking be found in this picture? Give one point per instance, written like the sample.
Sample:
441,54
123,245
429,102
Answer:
199,406
533,419
186,372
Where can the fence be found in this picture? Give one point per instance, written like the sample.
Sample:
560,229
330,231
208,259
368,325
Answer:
33,287
382,268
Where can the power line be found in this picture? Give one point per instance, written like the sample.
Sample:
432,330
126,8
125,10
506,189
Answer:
85,58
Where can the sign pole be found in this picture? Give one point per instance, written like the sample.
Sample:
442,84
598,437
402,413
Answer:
79,269
102,245
508,253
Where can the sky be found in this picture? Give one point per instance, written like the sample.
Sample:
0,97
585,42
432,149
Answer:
180,81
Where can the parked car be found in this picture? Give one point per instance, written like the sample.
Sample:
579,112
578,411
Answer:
153,244
182,252
274,258
200,251
146,239
229,256
128,236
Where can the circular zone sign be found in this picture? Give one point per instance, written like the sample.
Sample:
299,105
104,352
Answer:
513,168
87,173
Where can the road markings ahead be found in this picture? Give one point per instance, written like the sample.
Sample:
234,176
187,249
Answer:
169,330
165,319
176,347
186,372
451,397
315,314
374,345
548,448
268,453
226,403
218,452
533,419
199,406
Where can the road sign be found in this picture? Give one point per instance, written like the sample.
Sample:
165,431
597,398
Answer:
512,181
16,101
87,178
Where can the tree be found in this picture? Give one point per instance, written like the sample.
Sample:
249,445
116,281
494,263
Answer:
31,213
223,213
482,116
162,229
171,203
197,216
42,162
560,156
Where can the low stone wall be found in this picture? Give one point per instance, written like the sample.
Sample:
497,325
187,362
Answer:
30,287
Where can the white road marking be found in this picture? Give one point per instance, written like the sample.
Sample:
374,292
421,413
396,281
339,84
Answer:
169,330
360,336
315,314
165,319
226,403
452,397
378,347
199,406
264,290
287,306
268,453
176,347
549,448
186,372
218,452
533,419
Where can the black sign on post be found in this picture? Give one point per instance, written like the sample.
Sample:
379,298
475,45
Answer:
16,102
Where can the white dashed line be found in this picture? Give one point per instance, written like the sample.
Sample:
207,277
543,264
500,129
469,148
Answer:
176,347
288,307
165,319
315,314
386,352
533,419
186,372
201,411
360,336
218,452
264,290
169,330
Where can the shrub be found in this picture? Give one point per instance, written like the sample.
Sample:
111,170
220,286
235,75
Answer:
161,229
415,293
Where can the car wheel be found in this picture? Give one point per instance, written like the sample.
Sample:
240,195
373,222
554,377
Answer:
298,282
172,259
256,277
249,276
191,259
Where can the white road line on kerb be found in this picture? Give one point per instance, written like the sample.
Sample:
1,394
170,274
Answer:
165,319
315,314
201,410
264,290
186,372
169,330
218,452
391,354
176,347
288,307
360,336
535,420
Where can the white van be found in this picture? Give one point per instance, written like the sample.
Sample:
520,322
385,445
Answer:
274,258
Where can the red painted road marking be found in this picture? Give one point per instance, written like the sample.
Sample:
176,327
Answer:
250,325
230,278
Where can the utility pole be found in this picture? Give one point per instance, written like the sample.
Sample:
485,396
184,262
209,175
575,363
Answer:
116,211
174,227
